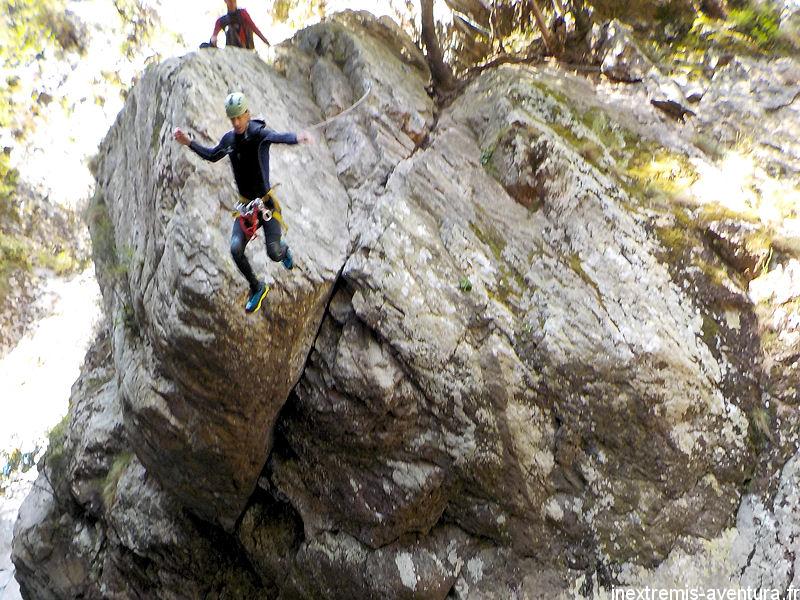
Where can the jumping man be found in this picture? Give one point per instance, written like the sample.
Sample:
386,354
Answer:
247,145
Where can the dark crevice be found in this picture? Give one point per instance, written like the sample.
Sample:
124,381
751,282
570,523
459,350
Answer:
225,545
750,556
280,443
774,109
791,558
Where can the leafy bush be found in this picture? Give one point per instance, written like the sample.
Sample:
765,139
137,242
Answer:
27,29
30,26
760,23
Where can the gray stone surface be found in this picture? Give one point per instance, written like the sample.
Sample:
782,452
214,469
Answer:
97,525
201,381
469,406
620,57
757,103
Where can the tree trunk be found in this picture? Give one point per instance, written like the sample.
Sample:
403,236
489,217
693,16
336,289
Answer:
582,21
443,79
548,39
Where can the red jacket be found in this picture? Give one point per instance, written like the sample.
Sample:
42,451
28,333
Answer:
239,29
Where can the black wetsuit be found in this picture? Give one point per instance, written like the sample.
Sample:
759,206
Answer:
249,154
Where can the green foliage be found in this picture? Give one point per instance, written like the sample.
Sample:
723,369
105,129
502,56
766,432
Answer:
15,252
749,30
30,26
646,169
13,257
140,21
577,266
675,240
104,247
760,23
128,319
296,13
21,253
662,171
496,243
9,178
111,481
55,458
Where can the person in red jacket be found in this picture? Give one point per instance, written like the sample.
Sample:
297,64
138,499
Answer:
239,28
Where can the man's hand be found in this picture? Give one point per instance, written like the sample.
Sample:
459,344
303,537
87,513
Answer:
181,137
213,40
304,137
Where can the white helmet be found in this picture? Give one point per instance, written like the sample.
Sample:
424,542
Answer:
235,105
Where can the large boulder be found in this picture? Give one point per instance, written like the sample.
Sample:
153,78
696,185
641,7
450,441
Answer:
201,382
96,524
486,378
499,408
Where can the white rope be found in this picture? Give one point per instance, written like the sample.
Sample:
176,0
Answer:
341,114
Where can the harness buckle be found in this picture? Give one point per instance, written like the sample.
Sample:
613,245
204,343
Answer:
248,209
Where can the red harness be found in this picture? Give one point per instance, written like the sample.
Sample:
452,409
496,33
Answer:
248,214
249,224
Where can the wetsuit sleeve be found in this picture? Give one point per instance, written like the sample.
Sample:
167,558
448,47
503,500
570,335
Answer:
273,137
249,23
212,154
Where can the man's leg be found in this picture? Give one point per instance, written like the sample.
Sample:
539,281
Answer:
277,250
238,243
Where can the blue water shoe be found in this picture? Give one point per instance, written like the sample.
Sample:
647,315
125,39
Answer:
254,303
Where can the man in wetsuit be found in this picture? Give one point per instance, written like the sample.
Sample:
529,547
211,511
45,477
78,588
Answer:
247,145
239,28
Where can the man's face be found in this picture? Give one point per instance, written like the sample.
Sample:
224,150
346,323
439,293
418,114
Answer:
231,4
240,123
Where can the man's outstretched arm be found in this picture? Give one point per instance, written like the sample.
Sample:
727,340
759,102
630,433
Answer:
273,137
249,21
213,154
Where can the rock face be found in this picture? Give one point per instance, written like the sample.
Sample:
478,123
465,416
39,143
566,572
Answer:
621,58
764,97
484,380
202,384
